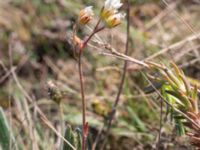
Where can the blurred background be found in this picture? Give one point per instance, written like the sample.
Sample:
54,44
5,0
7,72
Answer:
35,47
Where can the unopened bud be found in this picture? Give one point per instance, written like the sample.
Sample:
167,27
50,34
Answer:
54,93
85,15
77,42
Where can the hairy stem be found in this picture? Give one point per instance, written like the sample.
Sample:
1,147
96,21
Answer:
96,30
84,135
83,101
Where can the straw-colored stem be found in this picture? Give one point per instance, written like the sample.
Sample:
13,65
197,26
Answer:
62,122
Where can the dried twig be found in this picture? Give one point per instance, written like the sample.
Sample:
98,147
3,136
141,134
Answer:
174,46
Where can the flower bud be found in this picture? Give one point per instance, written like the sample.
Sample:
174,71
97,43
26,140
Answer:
77,42
85,15
54,92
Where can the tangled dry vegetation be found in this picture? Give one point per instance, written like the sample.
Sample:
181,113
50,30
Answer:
39,78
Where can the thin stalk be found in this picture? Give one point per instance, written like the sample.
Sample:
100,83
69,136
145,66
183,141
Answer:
62,123
83,102
84,135
161,116
122,79
10,96
125,63
96,30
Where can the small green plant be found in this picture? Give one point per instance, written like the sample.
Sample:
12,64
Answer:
74,137
181,96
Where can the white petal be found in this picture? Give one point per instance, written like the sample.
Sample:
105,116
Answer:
123,15
88,10
112,4
108,4
119,16
117,6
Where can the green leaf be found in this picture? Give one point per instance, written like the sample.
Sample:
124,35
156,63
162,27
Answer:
5,133
180,130
136,120
69,136
171,99
78,138
179,98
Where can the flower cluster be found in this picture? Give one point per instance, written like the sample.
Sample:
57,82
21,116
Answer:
109,14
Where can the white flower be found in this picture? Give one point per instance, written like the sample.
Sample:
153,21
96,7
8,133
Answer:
110,8
85,15
109,13
112,5
89,11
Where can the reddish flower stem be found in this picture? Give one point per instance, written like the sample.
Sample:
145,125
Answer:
91,35
84,124
83,101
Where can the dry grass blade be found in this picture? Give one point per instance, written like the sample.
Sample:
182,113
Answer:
174,46
45,120
39,111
